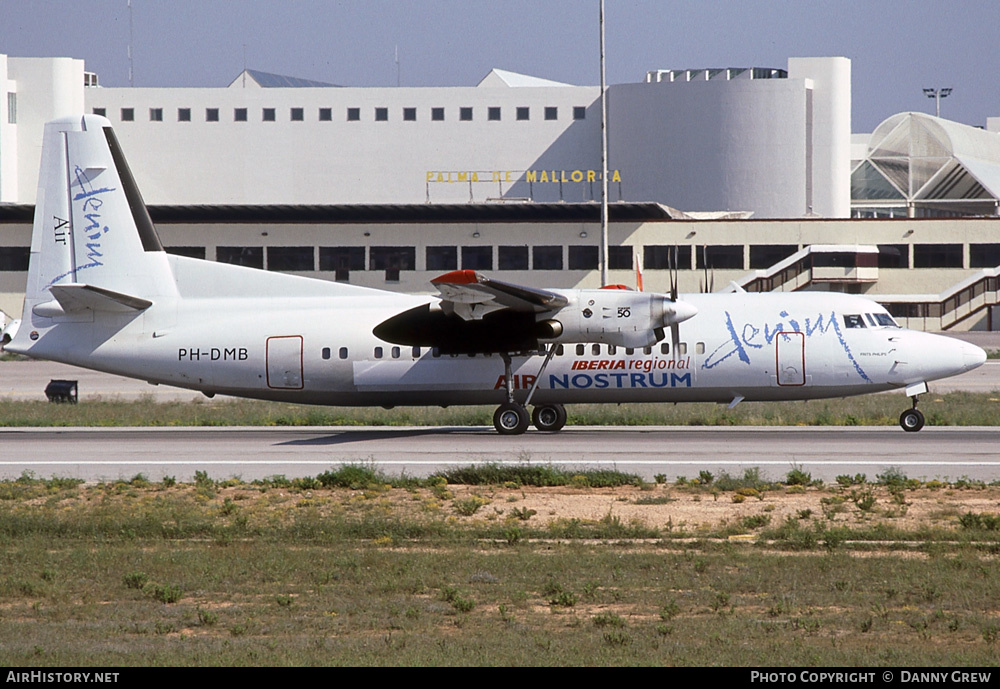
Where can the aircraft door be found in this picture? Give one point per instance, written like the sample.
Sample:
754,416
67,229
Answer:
790,358
284,362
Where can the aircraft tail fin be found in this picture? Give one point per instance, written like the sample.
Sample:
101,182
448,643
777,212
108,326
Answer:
93,244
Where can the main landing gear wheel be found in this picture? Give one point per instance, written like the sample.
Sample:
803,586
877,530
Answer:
911,420
510,418
549,417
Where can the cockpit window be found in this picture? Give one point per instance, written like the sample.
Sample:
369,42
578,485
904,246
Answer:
886,319
854,321
871,321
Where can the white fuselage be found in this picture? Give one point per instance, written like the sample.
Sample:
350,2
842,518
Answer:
309,346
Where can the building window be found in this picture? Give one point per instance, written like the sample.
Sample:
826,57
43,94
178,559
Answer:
442,257
326,114
982,255
12,108
766,255
523,113
14,258
156,114
189,251
465,114
353,114
437,114
579,112
298,114
250,256
583,257
103,112
547,258
183,114
128,114
493,114
937,255
240,115
290,258
726,257
663,257
551,113
392,258
894,256
512,257
268,115
409,114
477,258
381,114
211,114
620,257
342,258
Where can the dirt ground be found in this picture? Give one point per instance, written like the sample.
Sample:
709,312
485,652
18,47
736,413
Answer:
694,510
668,508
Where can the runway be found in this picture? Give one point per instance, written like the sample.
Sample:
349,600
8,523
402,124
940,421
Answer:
252,453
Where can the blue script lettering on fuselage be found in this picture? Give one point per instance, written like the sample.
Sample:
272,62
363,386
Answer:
742,340
600,381
90,208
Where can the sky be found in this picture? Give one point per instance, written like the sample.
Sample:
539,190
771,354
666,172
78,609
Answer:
897,47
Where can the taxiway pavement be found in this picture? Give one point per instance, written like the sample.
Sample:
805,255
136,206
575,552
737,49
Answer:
251,453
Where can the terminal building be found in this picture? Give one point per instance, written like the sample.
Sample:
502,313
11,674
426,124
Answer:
746,175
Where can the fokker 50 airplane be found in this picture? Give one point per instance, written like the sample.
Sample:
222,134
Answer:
103,294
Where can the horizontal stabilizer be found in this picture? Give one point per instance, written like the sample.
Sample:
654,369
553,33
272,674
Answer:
75,298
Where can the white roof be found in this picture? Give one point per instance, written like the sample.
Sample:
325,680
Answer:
503,78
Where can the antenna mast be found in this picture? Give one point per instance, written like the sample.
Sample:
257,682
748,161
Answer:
604,163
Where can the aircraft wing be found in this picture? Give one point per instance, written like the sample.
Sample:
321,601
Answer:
471,296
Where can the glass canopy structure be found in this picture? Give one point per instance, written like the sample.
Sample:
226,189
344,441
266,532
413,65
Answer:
923,166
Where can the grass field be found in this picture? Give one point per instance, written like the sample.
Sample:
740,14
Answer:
953,409
351,567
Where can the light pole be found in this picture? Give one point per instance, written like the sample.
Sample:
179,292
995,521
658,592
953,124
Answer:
937,95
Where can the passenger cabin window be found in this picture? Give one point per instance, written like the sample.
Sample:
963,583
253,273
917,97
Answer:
665,348
343,353
579,350
326,352
682,348
416,352
378,352
595,349
853,321
395,352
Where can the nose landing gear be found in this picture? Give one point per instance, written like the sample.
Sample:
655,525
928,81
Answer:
912,420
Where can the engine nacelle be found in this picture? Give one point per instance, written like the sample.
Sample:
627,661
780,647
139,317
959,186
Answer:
617,317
